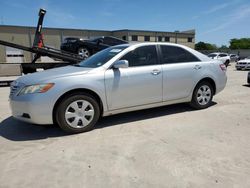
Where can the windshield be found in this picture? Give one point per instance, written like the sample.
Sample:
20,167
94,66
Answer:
102,57
212,55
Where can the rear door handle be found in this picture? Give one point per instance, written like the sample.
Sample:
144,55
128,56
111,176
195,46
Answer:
156,72
197,67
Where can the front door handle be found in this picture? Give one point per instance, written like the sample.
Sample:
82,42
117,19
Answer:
197,67
156,72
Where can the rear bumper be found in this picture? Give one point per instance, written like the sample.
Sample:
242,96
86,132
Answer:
221,84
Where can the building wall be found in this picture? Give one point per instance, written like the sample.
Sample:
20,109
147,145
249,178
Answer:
53,37
19,36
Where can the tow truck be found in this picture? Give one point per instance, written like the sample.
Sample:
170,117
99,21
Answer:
39,49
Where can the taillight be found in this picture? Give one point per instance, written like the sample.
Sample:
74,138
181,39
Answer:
223,67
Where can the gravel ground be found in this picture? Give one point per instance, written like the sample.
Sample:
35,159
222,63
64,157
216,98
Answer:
171,146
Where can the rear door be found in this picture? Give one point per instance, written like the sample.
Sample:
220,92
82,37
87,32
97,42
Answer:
181,70
139,84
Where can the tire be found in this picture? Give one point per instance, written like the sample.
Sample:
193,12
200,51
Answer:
71,116
202,95
84,52
28,70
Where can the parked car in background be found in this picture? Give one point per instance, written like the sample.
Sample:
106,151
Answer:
115,80
223,57
243,64
234,57
86,48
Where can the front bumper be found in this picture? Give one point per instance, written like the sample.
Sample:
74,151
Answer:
32,108
244,67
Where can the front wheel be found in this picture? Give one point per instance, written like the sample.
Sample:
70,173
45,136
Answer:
77,113
202,95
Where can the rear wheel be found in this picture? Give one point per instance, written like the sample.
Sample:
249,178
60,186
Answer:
84,52
202,95
77,113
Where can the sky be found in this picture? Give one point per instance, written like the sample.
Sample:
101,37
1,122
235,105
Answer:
215,21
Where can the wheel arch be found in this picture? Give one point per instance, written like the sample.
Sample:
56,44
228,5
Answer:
210,80
70,92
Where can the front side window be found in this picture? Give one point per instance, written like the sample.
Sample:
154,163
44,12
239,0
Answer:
108,40
159,38
173,54
142,56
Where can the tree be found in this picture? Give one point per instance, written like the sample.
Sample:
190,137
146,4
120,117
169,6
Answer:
223,47
205,46
242,43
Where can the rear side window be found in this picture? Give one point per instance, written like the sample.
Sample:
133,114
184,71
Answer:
173,54
142,56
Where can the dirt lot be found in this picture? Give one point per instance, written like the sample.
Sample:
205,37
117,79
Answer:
172,146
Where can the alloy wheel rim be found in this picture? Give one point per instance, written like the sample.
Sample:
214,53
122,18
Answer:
204,95
79,114
84,52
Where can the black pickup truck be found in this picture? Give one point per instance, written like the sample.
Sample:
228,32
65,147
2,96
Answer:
86,48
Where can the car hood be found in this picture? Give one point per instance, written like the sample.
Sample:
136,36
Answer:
244,60
48,75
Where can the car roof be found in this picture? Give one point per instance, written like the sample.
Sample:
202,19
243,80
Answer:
196,53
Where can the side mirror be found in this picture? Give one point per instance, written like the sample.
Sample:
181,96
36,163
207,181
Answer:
120,64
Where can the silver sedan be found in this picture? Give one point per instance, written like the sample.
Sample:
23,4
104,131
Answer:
118,79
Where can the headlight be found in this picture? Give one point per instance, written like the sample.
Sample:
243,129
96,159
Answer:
38,88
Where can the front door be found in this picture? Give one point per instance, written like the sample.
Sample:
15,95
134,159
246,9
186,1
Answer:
139,84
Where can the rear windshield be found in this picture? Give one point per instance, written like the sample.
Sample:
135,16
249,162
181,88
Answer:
102,57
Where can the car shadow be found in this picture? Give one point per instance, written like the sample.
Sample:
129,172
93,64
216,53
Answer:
15,130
